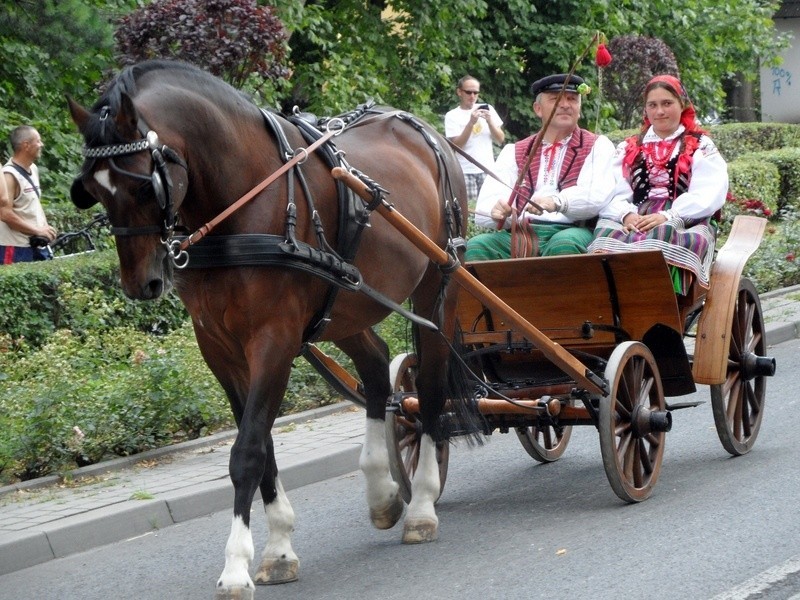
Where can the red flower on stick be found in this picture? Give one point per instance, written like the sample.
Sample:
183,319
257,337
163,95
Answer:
603,57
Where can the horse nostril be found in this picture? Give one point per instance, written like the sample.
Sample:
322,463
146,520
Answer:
154,288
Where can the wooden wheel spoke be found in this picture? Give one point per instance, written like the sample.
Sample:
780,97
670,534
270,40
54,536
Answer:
754,342
644,393
653,439
406,440
733,399
406,423
411,459
625,439
547,439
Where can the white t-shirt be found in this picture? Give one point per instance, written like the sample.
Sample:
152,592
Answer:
479,144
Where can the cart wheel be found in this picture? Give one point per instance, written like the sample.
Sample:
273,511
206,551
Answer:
738,404
403,432
545,443
633,419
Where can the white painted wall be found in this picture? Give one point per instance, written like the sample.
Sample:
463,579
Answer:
780,86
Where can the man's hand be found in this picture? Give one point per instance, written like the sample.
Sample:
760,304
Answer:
500,211
48,232
542,204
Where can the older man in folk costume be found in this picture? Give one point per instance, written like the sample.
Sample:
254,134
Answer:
565,182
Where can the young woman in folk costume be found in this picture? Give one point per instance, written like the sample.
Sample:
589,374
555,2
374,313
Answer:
671,183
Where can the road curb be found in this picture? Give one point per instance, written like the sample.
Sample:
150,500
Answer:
133,518
124,462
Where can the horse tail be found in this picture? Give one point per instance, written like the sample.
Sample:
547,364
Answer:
461,387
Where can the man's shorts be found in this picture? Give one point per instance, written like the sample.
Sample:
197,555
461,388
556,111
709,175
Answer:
15,254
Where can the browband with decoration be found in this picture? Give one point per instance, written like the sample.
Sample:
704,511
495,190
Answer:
116,149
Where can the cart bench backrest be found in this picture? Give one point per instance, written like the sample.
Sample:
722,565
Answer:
625,293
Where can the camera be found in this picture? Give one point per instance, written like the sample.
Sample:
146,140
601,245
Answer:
483,106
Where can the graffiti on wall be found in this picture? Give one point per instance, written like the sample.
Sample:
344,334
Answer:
781,78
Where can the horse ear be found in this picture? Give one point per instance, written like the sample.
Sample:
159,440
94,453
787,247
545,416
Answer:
127,118
79,114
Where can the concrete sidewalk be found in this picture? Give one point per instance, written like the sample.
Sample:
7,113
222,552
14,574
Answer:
47,518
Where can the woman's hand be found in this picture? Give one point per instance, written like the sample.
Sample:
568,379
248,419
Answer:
648,222
635,222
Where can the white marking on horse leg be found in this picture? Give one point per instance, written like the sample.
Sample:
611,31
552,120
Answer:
279,563
238,554
422,524
383,499
103,177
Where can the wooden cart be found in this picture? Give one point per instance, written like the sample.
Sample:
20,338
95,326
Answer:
599,340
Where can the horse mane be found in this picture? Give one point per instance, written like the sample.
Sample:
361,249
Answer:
102,131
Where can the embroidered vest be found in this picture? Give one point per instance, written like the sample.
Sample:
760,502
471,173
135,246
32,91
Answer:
580,145
678,182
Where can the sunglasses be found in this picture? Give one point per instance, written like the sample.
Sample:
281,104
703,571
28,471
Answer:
471,92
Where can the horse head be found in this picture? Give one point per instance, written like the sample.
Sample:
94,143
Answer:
139,180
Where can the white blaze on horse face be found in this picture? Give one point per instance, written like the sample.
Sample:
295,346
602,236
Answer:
238,555
103,177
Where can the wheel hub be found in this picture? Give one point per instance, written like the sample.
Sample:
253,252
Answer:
645,421
756,366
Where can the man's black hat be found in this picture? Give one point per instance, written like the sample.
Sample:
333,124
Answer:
554,83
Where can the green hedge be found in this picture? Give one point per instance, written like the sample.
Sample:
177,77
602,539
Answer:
785,162
80,293
751,178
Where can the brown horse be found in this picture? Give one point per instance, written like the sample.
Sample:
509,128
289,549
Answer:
168,148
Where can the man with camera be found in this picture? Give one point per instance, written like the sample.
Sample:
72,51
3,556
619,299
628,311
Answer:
473,126
21,214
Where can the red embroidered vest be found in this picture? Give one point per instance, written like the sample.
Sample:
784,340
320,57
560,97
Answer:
580,145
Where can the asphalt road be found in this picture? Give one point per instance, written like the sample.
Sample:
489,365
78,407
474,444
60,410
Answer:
715,527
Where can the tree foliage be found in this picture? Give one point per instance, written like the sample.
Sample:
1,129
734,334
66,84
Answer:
413,56
51,48
233,39
636,59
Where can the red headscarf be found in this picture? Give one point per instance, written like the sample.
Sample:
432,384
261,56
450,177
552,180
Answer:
688,115
688,120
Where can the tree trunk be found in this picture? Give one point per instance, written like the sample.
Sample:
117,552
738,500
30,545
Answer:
740,102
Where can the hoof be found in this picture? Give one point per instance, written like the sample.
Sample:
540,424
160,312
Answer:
386,518
419,531
234,593
277,570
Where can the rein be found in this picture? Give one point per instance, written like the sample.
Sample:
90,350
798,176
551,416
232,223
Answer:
333,128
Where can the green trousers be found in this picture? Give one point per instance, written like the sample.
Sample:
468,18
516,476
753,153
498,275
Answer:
553,240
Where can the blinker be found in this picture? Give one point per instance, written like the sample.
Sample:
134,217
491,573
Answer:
79,196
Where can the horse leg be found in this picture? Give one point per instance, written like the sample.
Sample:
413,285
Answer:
421,523
279,563
252,463
370,356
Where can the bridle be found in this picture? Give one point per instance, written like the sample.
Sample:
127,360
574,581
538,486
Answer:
159,178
